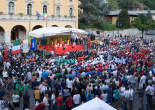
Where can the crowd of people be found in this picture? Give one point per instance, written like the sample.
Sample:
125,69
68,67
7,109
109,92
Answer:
114,72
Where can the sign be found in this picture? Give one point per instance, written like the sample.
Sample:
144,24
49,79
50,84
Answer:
25,46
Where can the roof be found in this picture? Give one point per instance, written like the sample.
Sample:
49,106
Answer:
151,32
52,31
94,104
131,12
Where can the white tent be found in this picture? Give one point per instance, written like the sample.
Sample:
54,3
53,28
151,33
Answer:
52,31
94,104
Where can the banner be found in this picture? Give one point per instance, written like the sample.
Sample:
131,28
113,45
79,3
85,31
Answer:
25,46
33,44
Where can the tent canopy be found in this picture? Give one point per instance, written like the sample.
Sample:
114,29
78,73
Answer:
94,104
52,31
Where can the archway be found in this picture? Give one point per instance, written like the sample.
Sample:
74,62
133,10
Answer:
18,32
54,26
37,27
68,26
2,33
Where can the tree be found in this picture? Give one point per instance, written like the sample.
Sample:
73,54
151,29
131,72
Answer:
142,23
150,4
128,4
113,4
123,20
93,11
149,15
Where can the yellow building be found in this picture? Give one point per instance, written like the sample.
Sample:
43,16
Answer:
18,17
113,15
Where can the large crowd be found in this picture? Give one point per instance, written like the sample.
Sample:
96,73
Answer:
114,72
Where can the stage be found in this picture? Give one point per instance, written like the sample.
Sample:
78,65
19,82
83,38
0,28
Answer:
62,49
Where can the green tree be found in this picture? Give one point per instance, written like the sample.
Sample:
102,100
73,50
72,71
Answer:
113,4
128,4
123,20
150,4
149,15
93,11
142,23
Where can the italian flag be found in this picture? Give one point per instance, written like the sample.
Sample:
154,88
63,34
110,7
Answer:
45,15
16,47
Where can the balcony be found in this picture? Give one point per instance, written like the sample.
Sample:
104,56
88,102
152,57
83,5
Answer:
20,17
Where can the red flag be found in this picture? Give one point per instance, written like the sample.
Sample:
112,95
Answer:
5,53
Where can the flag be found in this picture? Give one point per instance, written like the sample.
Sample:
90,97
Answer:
38,14
16,47
5,53
45,15
33,44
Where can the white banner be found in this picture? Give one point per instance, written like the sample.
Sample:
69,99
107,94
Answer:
25,46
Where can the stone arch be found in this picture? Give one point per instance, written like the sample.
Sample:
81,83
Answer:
2,34
68,26
37,27
55,26
18,32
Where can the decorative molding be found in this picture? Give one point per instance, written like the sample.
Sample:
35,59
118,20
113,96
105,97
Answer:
14,1
45,3
29,1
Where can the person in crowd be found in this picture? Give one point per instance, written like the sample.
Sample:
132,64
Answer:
114,72
16,100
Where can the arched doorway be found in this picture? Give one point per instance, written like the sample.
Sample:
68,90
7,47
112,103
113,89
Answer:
68,26
2,33
18,32
54,26
37,27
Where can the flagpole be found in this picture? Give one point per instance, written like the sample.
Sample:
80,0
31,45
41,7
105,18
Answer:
46,22
43,47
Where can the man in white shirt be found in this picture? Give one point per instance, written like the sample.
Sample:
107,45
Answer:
149,93
69,83
142,81
77,99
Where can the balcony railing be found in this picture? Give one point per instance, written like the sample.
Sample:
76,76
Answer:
34,18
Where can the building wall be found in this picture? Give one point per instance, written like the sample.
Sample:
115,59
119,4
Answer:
153,17
8,22
114,19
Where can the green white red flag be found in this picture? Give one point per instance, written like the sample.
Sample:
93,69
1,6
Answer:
16,47
45,15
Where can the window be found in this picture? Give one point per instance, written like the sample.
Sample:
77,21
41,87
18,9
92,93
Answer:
71,12
45,9
11,7
58,11
29,9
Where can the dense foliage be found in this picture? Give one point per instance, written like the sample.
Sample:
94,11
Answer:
143,23
93,11
123,19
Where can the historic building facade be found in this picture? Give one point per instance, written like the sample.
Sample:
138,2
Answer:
19,17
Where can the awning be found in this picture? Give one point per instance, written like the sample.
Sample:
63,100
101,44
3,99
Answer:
94,104
52,31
